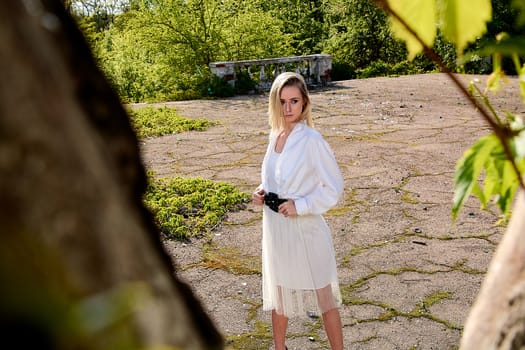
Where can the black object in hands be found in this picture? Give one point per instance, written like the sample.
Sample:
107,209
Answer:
273,201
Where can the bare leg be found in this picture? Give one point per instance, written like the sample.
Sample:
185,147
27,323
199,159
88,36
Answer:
279,325
334,329
331,318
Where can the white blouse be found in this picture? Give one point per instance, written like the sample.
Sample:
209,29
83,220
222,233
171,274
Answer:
306,171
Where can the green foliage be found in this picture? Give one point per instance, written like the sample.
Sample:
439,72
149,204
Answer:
150,122
446,51
500,179
342,71
502,171
359,35
158,50
251,30
500,156
218,87
380,69
506,19
519,6
458,22
420,15
191,207
91,33
145,67
375,69
244,83
503,168
303,22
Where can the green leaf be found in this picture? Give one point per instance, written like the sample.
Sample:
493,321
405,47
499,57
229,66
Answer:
519,5
469,168
519,144
509,185
507,47
502,45
480,193
500,180
464,21
420,16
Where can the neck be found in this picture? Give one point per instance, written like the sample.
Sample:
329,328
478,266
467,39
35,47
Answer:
287,128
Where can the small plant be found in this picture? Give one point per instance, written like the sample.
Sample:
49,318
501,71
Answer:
244,83
185,207
405,68
150,122
218,87
342,71
375,69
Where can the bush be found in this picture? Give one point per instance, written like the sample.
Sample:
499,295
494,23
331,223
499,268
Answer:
375,69
191,207
342,71
218,87
150,121
478,65
381,69
244,84
405,68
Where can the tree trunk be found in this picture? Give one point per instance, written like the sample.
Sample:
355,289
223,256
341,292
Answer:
81,262
497,319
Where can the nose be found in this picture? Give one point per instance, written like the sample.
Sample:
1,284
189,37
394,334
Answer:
287,106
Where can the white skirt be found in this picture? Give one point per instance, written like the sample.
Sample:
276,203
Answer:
299,268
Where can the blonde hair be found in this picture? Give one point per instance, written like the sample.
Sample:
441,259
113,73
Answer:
275,110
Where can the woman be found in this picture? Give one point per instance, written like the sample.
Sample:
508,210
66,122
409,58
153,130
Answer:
300,181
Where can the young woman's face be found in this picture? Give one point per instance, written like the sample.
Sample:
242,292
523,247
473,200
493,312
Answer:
292,104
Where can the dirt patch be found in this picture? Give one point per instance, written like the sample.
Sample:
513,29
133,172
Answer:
408,274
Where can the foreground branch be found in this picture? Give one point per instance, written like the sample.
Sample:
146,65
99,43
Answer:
501,131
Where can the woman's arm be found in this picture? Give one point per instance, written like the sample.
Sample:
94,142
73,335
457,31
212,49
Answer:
330,182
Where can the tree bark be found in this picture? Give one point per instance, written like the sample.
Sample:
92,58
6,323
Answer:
81,261
497,319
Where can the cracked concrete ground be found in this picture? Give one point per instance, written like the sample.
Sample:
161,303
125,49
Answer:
408,274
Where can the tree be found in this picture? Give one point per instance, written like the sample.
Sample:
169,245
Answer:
302,21
359,34
97,7
81,263
504,20
252,32
161,49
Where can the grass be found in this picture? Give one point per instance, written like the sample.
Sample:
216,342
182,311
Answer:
186,207
153,122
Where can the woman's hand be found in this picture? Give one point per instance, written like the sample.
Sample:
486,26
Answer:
258,197
288,208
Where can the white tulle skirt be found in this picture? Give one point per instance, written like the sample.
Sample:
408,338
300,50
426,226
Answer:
299,268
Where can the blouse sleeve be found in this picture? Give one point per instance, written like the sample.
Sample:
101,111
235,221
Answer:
330,182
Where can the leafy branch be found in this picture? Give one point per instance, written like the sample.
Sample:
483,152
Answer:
487,154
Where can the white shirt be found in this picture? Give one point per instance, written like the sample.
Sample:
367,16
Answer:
306,171
271,161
